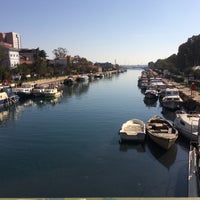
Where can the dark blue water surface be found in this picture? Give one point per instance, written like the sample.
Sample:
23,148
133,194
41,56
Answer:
70,147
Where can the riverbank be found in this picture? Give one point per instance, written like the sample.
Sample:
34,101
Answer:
62,78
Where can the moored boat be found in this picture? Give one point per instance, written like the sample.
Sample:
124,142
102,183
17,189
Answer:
52,92
25,91
187,124
38,91
133,130
151,94
172,100
82,78
69,80
7,98
161,131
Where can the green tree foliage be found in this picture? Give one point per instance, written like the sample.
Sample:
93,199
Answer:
3,56
189,53
40,64
187,57
81,65
4,71
60,52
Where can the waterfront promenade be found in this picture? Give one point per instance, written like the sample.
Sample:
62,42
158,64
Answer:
49,80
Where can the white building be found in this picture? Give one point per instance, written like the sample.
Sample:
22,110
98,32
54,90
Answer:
11,59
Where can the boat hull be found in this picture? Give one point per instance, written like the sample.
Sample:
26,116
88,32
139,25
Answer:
140,137
133,130
161,131
165,143
172,105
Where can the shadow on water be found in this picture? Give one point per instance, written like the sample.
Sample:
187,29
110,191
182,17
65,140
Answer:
168,114
165,157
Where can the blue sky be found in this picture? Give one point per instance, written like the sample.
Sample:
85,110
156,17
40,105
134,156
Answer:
128,31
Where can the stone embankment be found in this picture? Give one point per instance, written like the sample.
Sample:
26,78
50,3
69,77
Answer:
191,101
50,80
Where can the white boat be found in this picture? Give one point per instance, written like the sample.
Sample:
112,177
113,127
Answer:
69,80
38,90
151,93
7,99
144,84
133,130
187,124
25,91
82,78
52,92
172,100
98,76
161,131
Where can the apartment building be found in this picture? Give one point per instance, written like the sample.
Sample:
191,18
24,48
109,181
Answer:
10,43
11,38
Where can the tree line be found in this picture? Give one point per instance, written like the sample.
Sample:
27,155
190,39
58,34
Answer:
42,67
183,62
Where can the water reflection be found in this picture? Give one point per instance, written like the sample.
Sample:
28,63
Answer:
126,146
166,158
76,89
44,101
13,112
150,102
4,115
8,113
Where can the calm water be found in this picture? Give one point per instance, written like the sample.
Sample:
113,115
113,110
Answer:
70,148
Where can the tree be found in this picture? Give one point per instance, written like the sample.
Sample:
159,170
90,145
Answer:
3,56
40,64
82,65
40,55
60,52
189,53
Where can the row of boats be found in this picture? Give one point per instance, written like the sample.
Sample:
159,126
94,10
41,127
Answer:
186,123
10,95
162,131
155,88
35,90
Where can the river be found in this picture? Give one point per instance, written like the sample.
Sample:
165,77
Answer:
70,147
